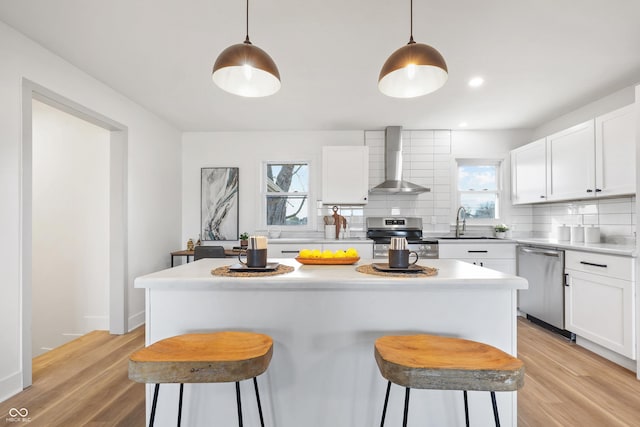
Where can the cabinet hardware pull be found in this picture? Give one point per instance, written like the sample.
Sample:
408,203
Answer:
289,252
566,279
542,197
477,252
593,264
598,190
589,190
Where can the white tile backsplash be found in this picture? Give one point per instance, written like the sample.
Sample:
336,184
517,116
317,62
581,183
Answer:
421,166
615,217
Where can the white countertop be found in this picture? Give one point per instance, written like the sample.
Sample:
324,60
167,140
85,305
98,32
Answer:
452,274
606,248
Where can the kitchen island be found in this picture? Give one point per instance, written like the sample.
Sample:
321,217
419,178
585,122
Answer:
324,321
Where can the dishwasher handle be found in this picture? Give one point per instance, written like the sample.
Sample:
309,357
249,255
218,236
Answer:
545,252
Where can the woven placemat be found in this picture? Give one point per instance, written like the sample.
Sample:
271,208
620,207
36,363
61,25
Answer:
224,271
369,269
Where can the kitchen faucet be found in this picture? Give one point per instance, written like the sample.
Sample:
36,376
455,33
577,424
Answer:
464,221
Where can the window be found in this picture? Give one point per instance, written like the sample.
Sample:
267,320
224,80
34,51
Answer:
478,188
286,193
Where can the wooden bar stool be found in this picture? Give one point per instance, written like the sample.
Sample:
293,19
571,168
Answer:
203,358
443,363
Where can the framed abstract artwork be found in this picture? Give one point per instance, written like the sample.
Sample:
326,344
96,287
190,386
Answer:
219,203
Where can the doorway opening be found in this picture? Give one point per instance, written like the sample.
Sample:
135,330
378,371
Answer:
115,218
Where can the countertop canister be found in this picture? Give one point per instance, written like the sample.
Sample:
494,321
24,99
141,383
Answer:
564,233
577,233
592,234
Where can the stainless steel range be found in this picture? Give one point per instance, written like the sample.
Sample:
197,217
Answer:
382,229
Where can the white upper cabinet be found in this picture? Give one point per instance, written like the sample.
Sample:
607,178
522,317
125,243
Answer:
596,158
615,152
345,175
571,163
529,173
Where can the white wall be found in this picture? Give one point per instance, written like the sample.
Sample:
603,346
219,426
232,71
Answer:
593,109
248,151
153,182
70,288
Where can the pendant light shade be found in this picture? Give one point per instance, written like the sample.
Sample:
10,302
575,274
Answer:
246,70
413,70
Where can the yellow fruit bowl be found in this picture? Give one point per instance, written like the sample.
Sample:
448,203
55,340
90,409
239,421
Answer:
327,261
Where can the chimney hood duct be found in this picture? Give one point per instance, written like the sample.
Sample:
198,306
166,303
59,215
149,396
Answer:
393,166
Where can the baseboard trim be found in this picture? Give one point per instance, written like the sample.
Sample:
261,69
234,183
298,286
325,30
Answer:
619,359
136,320
10,386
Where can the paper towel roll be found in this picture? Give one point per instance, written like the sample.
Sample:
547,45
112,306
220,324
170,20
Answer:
564,233
577,233
592,235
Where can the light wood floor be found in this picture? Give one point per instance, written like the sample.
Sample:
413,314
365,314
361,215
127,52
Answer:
85,383
566,385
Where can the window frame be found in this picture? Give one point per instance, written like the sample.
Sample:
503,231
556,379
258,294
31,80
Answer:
492,161
264,194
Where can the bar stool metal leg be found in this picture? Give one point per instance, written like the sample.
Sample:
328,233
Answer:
153,405
239,403
406,407
255,385
466,408
180,404
386,401
495,408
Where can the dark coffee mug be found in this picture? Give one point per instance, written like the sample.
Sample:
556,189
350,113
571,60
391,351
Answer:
256,258
400,258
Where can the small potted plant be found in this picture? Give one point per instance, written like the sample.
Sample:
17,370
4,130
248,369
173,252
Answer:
244,240
501,230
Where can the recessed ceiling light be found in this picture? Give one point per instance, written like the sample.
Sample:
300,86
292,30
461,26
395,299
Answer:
463,124
476,82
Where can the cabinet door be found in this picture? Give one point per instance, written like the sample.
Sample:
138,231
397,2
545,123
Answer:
529,173
571,163
484,250
507,266
600,309
345,175
615,152
285,250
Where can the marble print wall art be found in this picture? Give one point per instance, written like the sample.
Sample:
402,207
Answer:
219,203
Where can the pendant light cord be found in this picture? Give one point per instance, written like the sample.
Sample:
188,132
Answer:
246,39
410,24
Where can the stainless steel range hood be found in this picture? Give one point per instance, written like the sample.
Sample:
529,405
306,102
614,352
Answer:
393,166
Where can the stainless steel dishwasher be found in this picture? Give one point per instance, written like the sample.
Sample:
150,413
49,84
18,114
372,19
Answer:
543,302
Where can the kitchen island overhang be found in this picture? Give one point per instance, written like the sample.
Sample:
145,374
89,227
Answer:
324,321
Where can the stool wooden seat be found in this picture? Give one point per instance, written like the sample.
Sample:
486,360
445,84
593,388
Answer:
444,363
203,358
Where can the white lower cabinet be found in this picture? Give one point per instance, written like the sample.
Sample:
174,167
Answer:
286,250
497,256
600,300
290,250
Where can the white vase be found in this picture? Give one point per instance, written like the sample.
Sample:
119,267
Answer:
501,234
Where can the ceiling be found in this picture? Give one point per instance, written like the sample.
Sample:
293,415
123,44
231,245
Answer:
539,58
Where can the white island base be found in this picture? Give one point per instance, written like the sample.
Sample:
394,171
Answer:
324,321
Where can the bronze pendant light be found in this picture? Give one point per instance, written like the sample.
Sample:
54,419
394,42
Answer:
246,70
413,70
